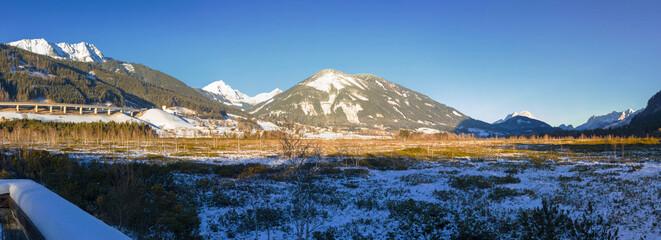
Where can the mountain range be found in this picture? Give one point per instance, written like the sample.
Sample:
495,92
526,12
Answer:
521,123
331,98
334,98
649,119
80,73
514,114
75,76
610,120
83,52
221,92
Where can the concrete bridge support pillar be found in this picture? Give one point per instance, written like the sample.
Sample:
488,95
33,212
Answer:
108,111
96,110
50,109
64,109
18,108
36,108
80,109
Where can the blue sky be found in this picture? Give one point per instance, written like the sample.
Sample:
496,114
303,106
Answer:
561,60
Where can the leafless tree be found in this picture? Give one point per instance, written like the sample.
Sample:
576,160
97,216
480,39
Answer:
305,211
296,149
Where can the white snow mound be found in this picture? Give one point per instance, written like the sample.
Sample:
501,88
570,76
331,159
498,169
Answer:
164,120
73,118
425,130
268,126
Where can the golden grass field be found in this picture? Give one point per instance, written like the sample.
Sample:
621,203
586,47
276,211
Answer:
425,149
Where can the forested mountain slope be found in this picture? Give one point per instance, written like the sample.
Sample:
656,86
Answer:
26,76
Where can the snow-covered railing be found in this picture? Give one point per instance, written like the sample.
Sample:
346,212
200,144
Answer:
53,216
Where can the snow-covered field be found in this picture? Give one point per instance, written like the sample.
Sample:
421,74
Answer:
387,189
116,117
488,188
487,196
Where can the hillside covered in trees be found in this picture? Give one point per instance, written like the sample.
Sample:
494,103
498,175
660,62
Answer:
26,76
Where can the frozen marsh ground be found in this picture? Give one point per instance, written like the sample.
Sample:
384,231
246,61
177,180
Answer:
444,199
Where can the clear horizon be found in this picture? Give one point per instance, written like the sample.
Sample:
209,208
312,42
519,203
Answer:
563,62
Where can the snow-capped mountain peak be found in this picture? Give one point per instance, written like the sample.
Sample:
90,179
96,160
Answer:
221,88
329,79
82,52
262,97
333,98
515,114
224,93
610,120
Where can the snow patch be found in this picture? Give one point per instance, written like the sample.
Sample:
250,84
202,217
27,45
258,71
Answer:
116,117
268,126
260,107
326,105
427,130
361,97
336,136
381,84
334,80
393,103
180,111
164,120
308,108
350,110
479,132
128,67
400,112
263,96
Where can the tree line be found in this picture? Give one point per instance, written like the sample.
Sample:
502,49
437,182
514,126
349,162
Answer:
29,130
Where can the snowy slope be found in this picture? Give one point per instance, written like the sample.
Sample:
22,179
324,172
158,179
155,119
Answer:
334,80
116,117
514,114
83,52
333,98
181,111
232,96
610,120
156,117
222,92
263,97
424,130
268,126
165,120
